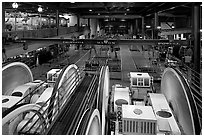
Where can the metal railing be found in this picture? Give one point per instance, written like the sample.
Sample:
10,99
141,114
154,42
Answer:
51,107
194,80
58,99
48,116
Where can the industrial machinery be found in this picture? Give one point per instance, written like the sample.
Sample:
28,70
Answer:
36,107
79,103
139,111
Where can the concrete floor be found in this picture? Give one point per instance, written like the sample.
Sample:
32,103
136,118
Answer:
129,63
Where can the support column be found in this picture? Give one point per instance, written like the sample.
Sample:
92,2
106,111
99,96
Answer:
143,27
78,21
88,22
57,22
131,29
136,27
49,22
3,17
93,26
156,23
196,36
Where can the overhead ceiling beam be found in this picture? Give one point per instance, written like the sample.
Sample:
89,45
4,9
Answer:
170,15
175,31
150,6
166,6
79,5
112,16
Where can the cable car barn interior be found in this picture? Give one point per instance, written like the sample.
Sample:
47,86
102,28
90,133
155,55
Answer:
101,68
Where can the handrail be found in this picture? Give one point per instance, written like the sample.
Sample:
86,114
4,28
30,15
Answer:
193,102
56,117
59,103
191,75
32,92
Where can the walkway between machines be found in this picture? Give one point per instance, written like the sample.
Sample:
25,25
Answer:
78,57
127,62
140,58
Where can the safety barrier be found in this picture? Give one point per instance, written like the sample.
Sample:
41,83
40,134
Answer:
194,80
44,116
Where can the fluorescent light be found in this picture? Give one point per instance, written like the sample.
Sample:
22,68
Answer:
15,5
40,9
66,16
158,27
148,26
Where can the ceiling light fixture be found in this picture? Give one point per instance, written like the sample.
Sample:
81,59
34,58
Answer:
66,16
148,26
90,10
15,5
158,27
172,26
40,9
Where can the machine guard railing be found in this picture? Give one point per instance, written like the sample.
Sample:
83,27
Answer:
46,114
194,80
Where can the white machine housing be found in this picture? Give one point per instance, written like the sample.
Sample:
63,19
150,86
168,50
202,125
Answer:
52,75
138,120
165,118
139,79
27,88
9,101
140,84
120,94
